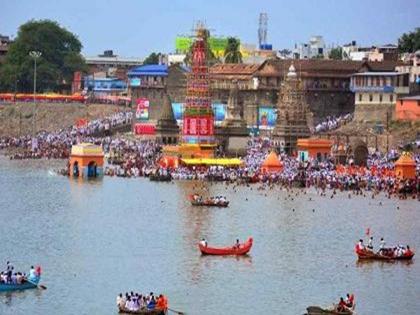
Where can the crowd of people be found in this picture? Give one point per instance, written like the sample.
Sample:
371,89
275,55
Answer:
128,157
333,122
57,145
134,302
10,276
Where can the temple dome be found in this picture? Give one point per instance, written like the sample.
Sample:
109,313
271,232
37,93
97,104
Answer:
292,71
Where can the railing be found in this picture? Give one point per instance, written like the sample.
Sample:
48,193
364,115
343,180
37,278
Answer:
384,89
228,86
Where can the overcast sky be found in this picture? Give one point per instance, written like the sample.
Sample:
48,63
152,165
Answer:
138,27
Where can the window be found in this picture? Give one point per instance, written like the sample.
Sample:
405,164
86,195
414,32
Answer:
391,98
370,97
360,97
380,98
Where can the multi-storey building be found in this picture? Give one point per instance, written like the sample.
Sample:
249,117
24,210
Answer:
376,94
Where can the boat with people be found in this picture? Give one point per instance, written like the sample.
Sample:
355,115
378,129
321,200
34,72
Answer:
237,249
344,307
16,281
316,310
135,303
160,177
384,253
123,310
218,201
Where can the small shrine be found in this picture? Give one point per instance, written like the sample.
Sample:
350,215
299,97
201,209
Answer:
272,164
405,167
313,148
167,130
86,161
234,129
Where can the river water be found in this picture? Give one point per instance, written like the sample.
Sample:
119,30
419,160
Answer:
99,238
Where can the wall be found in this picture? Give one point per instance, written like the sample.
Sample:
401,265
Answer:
407,110
374,111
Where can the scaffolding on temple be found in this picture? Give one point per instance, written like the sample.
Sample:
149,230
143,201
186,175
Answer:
198,118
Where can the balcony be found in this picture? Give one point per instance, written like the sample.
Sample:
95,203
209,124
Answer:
373,89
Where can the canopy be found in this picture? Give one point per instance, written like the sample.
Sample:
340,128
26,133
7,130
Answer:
213,161
272,163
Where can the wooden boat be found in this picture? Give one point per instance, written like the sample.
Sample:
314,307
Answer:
160,178
368,254
210,204
243,249
142,311
6,287
316,310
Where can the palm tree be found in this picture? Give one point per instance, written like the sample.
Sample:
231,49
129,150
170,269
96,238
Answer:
232,53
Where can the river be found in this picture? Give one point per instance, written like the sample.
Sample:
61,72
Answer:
99,238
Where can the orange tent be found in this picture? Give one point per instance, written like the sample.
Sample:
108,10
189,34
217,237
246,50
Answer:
405,167
272,163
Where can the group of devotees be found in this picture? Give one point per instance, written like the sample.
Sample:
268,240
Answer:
134,157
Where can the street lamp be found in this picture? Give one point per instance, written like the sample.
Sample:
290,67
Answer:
35,55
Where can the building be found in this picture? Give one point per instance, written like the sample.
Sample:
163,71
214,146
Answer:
349,48
5,42
314,148
102,85
291,122
387,52
411,64
112,65
315,48
152,82
408,108
86,161
376,94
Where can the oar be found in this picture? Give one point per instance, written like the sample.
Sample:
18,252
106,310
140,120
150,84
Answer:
39,286
177,312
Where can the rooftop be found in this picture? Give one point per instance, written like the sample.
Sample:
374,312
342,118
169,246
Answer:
380,73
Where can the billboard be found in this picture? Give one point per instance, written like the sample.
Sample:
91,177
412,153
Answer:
217,44
178,109
183,44
142,111
135,82
219,111
266,117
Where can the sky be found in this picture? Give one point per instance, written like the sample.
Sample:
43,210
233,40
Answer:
135,28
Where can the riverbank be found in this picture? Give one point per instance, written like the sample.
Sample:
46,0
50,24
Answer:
17,119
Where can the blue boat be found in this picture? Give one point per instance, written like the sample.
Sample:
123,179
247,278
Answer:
6,287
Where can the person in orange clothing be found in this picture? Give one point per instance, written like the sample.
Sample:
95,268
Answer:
160,303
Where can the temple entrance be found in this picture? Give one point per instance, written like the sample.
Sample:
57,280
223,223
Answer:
76,171
92,170
360,154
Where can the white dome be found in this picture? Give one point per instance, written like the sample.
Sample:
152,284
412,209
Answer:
292,71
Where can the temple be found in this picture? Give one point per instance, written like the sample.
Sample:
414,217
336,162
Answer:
292,111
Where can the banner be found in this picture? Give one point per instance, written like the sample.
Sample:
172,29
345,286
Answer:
266,117
142,111
219,111
178,109
135,82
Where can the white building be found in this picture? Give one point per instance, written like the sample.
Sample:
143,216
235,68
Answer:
314,48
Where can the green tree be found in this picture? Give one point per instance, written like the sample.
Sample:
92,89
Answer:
409,43
60,58
232,53
152,59
336,53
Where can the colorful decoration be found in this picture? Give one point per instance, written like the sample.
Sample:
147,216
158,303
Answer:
198,120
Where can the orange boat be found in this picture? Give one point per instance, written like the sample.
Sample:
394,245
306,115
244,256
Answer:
242,249
387,256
